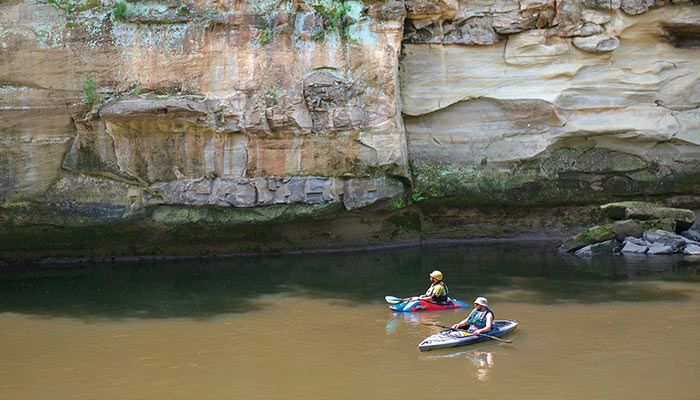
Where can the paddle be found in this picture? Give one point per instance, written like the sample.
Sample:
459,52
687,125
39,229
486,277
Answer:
393,300
464,330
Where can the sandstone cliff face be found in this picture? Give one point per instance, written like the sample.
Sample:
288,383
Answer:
231,103
552,102
243,112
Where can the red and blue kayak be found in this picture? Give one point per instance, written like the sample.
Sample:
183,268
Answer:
422,305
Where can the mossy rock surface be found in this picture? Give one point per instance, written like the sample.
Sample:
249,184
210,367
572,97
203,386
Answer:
635,228
640,210
665,224
598,233
627,228
179,215
598,249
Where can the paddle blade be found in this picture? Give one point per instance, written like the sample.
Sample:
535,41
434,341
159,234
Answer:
393,300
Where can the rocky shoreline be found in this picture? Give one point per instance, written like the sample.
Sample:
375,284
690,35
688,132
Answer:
638,228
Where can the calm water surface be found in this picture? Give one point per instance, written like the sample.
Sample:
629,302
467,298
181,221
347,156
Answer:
316,327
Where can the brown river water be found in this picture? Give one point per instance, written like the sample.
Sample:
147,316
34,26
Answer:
316,327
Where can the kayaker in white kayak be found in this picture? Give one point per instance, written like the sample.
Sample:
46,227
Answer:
437,292
480,320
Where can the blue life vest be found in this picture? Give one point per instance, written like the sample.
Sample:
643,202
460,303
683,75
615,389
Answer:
478,318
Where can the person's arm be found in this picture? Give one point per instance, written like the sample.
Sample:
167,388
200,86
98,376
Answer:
427,296
421,297
489,325
461,324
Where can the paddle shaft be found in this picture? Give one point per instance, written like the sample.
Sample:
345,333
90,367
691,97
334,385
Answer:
476,334
395,300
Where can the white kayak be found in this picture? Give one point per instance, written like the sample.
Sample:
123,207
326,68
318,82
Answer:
454,338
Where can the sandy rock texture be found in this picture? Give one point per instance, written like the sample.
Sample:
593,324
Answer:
153,96
551,102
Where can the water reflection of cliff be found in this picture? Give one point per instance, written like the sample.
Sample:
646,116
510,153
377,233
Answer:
524,272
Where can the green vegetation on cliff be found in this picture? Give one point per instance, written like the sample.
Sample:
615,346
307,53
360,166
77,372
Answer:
119,11
90,92
72,6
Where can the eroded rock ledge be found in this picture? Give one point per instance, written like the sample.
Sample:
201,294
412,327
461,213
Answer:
591,23
548,102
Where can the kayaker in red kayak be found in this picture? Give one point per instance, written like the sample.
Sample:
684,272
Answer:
437,292
480,320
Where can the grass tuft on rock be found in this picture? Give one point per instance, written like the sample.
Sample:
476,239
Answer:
119,11
90,92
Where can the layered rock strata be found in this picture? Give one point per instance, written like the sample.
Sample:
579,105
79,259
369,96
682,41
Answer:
549,102
237,104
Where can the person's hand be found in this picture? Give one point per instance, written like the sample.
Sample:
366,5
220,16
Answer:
455,326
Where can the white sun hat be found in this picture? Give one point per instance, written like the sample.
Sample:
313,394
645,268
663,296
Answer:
481,301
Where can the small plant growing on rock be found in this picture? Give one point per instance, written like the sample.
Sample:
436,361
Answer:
90,95
183,10
397,204
265,37
337,15
271,96
119,11
334,16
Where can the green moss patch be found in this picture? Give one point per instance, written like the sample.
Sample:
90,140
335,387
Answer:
599,233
